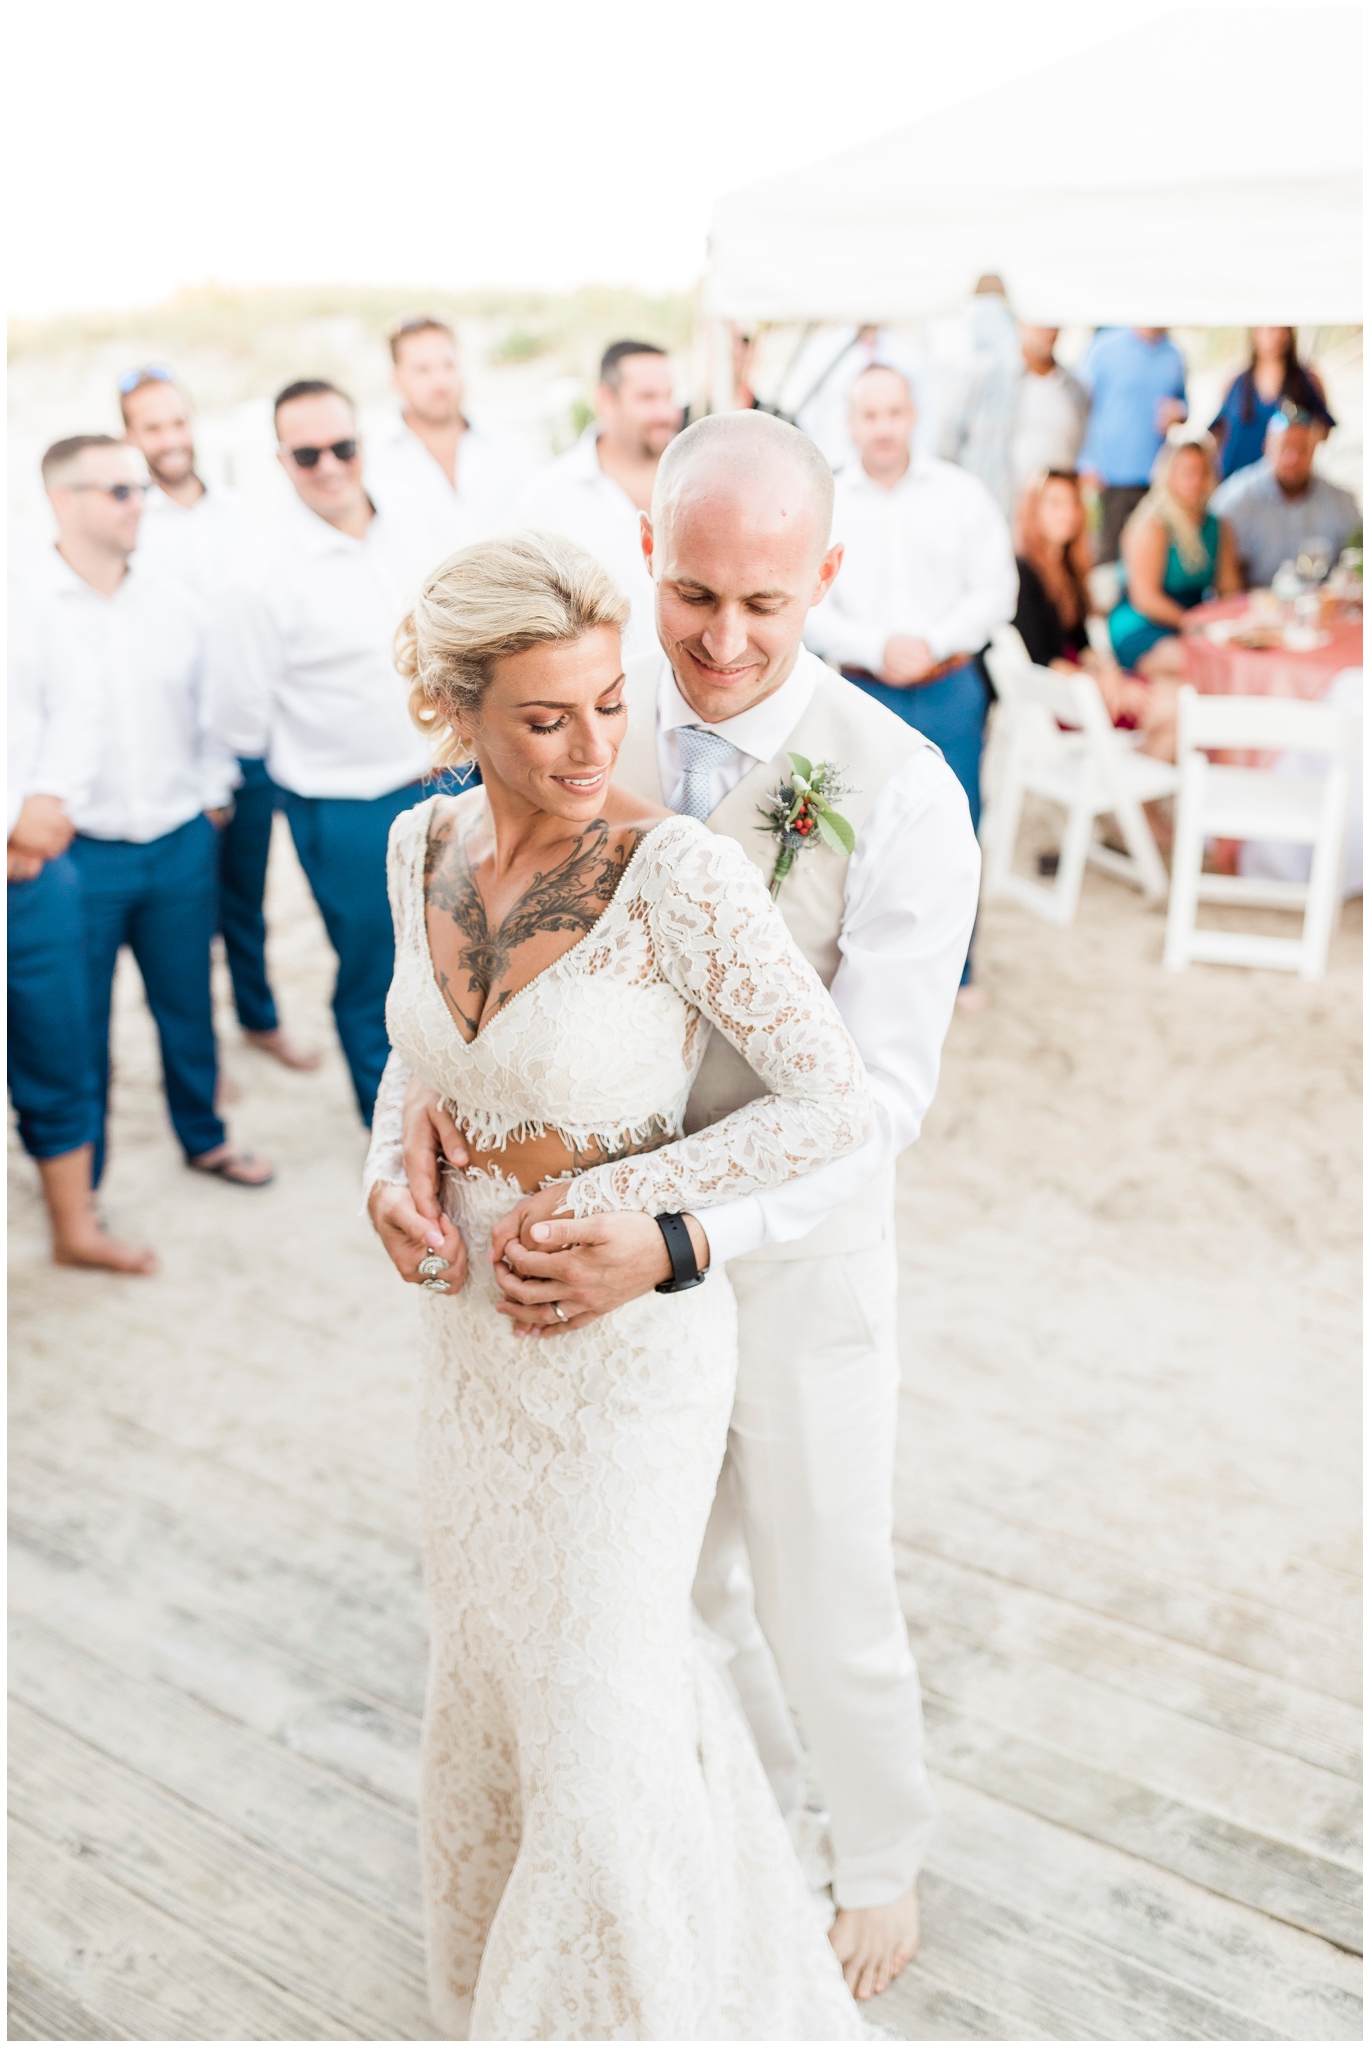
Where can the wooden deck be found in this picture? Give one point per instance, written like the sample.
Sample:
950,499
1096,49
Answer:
1126,1531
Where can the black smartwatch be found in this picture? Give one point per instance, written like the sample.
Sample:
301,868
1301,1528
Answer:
684,1266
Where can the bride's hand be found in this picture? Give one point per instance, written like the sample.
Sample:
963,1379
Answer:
409,1237
538,1208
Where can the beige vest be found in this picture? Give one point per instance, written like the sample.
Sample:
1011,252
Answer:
869,745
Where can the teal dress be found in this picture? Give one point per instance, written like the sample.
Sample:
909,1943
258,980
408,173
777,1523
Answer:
1133,634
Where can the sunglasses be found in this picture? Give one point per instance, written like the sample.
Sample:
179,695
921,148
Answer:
308,458
121,493
154,373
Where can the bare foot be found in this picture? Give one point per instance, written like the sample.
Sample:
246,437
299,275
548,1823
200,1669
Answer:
226,1090
874,1943
971,999
244,1169
284,1049
93,1246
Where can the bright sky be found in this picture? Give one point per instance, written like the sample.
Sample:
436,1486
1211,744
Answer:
439,142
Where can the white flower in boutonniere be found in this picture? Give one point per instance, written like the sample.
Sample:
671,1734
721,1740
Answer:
800,813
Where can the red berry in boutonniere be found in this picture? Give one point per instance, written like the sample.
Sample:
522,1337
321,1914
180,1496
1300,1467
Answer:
800,814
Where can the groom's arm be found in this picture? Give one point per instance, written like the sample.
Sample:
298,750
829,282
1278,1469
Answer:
912,888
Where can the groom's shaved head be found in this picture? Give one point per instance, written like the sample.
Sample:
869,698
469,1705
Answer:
747,459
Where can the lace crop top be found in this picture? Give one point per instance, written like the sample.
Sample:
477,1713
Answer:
604,1044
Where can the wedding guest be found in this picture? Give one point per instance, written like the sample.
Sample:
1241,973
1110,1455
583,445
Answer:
1176,552
435,462
1252,399
53,743
1278,507
1051,413
132,642
597,492
816,391
302,674
927,574
1052,547
209,538
979,422
1135,380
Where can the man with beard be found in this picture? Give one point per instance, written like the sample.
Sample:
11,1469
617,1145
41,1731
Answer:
597,492
208,538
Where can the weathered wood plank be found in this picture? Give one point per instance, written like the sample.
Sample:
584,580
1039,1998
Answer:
1018,1620
287,1925
298,1811
1104,1581
1218,1773
261,1685
1295,1985
1308,1891
40,2010
144,1976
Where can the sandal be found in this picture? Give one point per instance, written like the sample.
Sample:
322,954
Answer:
224,1168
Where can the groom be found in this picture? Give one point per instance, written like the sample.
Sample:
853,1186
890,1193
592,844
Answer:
800,1538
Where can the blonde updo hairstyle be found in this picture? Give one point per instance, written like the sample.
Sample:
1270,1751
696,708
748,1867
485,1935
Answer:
488,601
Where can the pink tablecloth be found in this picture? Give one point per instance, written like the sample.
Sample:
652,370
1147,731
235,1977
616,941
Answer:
1217,668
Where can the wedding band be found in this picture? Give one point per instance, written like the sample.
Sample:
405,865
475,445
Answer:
432,1264
436,1286
559,1312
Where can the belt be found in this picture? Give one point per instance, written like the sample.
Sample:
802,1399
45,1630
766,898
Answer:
934,675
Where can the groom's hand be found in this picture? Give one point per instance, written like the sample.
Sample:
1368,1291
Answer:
430,1136
589,1265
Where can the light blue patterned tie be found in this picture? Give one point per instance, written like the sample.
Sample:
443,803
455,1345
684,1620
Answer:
700,753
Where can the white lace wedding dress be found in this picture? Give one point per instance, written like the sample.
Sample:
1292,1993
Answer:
603,1858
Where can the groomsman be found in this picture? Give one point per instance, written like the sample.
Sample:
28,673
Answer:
131,643
597,492
302,672
435,463
209,538
739,545
53,743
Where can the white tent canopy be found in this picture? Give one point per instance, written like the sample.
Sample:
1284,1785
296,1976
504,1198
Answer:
1202,171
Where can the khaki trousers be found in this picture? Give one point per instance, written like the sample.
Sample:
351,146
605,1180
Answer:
797,1570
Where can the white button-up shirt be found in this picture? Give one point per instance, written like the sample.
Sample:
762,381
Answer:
52,735
909,904
574,496
135,660
217,541
302,666
403,478
931,558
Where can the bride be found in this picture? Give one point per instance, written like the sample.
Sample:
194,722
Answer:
603,1858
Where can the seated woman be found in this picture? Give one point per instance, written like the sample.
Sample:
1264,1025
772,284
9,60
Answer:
1053,554
1175,554
1252,399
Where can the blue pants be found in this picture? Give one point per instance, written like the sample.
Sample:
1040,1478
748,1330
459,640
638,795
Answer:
161,900
341,843
51,1072
244,846
951,713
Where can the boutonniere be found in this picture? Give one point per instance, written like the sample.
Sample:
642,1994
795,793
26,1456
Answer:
800,813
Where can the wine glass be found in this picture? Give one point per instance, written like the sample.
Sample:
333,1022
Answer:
1315,559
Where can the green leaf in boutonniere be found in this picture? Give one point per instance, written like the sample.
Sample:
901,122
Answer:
800,813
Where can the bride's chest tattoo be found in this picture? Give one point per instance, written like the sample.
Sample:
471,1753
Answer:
478,951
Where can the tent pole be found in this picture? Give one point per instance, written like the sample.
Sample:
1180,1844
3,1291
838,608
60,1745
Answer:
721,394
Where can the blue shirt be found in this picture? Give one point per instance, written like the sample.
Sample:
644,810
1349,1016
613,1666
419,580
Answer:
1244,440
1127,378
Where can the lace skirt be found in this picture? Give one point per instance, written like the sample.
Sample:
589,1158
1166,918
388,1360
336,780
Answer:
602,1855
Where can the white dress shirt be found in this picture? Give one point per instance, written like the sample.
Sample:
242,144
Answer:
135,659
911,891
301,663
1049,423
52,738
574,496
931,558
217,541
404,479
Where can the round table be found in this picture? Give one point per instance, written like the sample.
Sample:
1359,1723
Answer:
1217,668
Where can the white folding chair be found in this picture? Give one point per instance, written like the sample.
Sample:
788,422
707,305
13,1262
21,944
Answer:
1219,801
1055,739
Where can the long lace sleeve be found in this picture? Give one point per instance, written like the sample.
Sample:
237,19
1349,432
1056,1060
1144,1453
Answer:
385,1154
723,945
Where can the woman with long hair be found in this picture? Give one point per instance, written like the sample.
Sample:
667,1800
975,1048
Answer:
1175,554
1273,375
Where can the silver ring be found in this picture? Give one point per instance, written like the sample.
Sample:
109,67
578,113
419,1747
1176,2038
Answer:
436,1286
432,1264
559,1312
